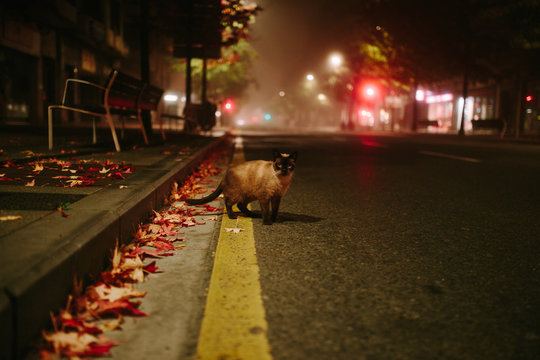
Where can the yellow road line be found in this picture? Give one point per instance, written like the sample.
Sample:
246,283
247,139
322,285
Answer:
234,324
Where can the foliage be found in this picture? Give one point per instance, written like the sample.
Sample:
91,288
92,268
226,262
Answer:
235,20
79,330
228,76
422,40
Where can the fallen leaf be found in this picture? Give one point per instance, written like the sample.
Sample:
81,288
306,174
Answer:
31,183
161,244
38,167
77,344
154,228
111,325
113,293
117,307
79,325
152,268
234,230
116,175
61,211
10,217
148,252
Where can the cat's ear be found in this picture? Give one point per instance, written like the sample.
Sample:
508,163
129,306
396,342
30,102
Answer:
293,155
276,154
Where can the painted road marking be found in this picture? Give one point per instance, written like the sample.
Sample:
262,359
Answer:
449,156
234,324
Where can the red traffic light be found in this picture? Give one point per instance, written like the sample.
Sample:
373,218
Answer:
368,92
528,98
228,105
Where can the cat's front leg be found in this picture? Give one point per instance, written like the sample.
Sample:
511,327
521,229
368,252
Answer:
265,210
275,207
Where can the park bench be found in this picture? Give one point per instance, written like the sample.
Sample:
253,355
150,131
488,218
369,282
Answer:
424,123
490,124
121,95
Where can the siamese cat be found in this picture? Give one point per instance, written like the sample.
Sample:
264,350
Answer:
266,181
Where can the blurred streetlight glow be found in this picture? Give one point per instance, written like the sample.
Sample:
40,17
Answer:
170,98
310,77
282,93
336,60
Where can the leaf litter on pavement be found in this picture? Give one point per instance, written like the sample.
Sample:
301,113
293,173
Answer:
79,329
74,173
63,173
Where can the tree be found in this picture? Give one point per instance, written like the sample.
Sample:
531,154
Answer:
423,41
228,76
236,18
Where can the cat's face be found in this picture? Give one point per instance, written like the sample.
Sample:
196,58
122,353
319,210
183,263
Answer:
284,164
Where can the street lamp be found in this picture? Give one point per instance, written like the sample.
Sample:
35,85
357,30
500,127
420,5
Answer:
170,98
310,77
336,60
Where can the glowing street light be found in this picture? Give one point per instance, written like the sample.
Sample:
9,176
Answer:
170,98
336,60
310,77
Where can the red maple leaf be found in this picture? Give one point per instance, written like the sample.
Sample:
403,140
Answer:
116,175
151,268
161,244
80,326
117,307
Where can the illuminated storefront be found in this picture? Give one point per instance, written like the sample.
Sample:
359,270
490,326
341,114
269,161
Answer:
446,108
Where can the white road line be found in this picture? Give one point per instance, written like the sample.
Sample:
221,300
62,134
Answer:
449,156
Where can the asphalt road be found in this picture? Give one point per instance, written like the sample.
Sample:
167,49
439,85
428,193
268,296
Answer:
403,248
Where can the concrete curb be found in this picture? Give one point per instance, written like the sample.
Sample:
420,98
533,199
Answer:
38,262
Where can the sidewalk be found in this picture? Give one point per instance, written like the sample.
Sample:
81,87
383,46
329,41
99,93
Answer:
41,252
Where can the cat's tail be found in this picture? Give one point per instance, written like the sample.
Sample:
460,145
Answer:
206,199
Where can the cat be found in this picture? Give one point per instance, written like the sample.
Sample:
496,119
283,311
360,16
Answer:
265,181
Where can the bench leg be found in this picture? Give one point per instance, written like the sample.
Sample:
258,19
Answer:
161,126
94,131
50,120
113,131
139,117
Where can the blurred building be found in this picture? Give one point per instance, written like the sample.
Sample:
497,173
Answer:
42,43
440,106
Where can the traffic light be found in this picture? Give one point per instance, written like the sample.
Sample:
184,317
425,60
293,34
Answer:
228,105
529,98
368,92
